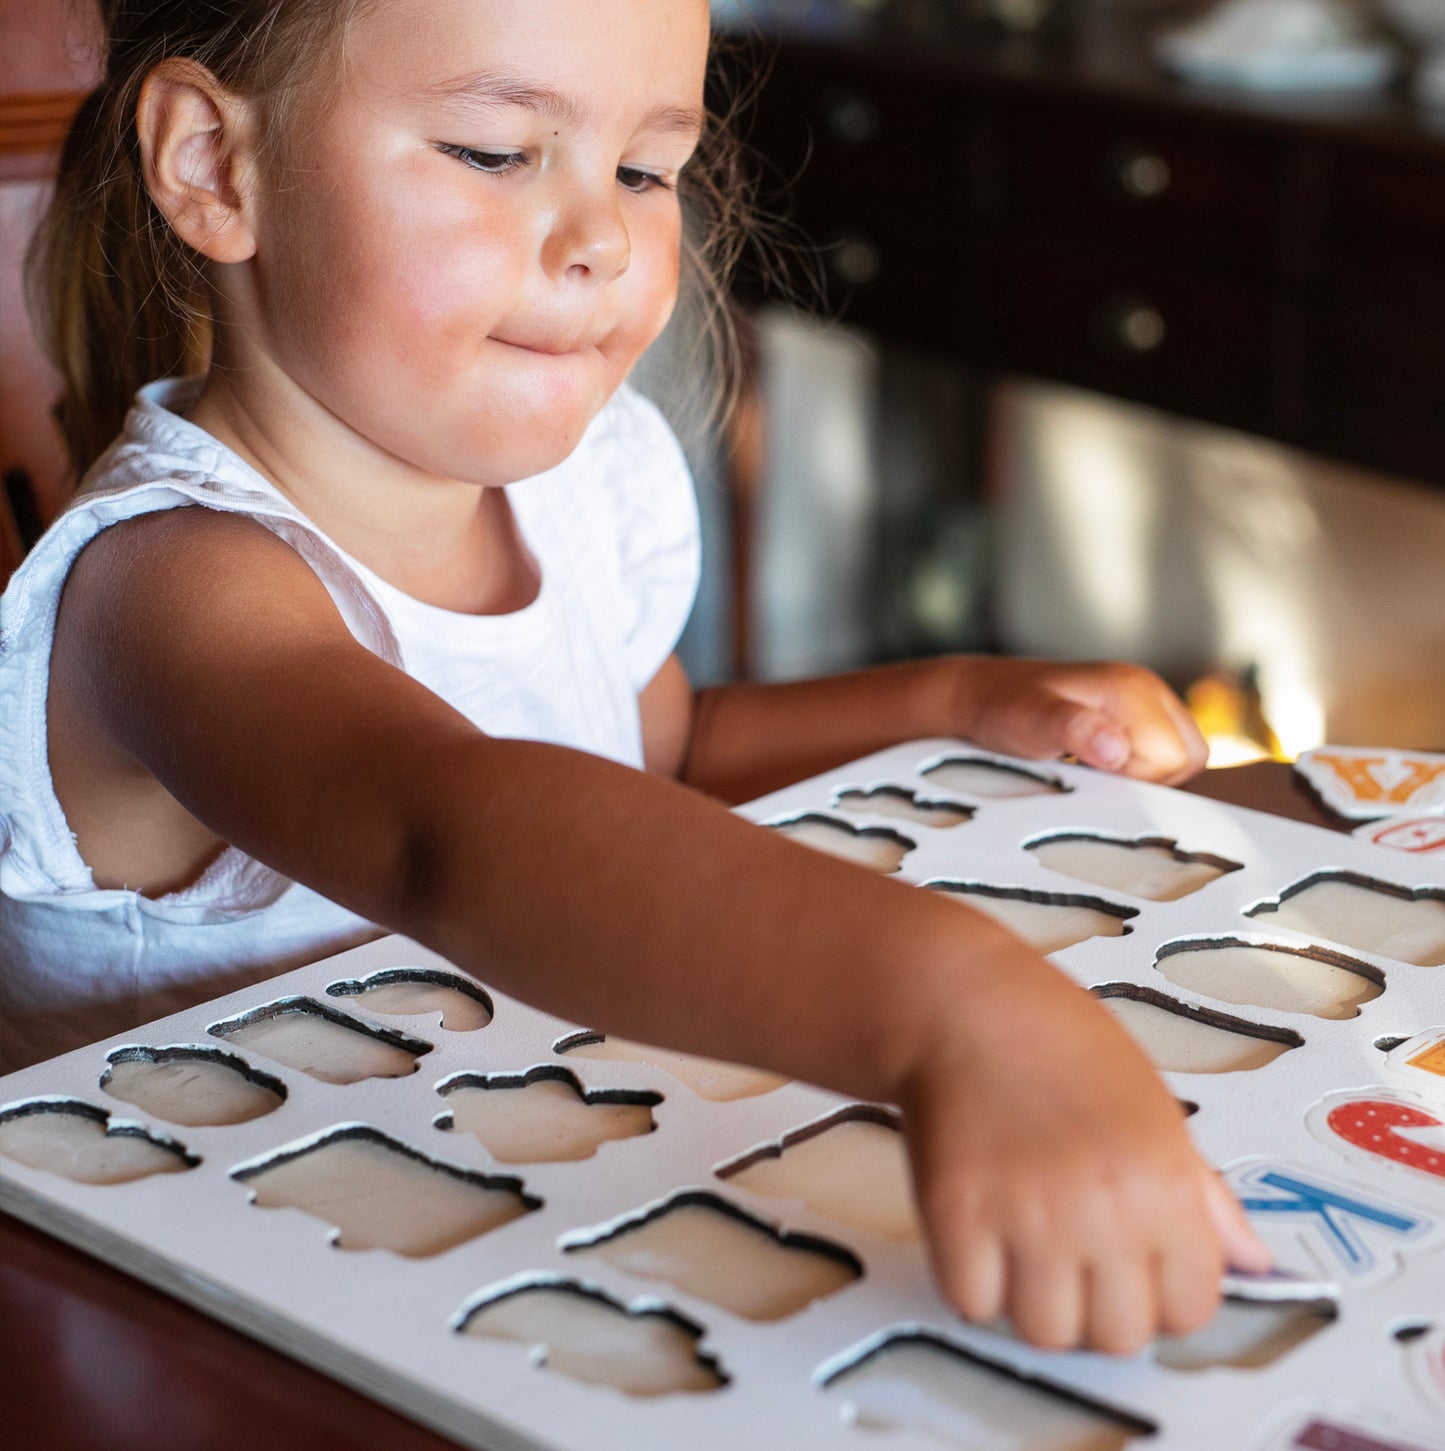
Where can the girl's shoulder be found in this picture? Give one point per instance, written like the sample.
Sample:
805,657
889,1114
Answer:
161,461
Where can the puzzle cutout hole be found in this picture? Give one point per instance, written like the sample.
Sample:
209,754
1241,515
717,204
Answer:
852,1168
1246,1335
1182,1039
706,1246
1151,867
905,805
709,1078
379,1194
403,992
543,1116
875,847
1367,915
590,1337
992,780
1287,979
917,1382
1048,921
317,1040
194,1086
77,1141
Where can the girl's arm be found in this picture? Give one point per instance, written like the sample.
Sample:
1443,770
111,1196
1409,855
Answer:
1060,1187
745,740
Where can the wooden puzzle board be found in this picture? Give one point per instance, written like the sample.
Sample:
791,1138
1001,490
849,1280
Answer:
1357,1216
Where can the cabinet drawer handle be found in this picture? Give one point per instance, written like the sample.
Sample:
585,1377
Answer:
853,259
1130,325
852,119
1140,174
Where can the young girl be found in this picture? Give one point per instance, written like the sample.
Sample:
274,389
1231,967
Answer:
298,661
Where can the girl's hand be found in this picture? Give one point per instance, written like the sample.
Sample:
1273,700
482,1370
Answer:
1114,716
1055,1178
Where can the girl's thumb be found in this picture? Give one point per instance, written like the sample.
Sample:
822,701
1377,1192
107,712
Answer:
1093,737
1243,1248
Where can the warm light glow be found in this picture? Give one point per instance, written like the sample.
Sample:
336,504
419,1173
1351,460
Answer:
1233,751
1297,718
1108,514
1227,710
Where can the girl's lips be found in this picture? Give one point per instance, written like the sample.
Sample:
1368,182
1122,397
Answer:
549,349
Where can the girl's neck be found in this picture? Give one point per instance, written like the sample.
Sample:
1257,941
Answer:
448,543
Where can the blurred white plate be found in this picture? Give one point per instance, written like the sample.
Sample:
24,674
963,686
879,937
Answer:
1364,67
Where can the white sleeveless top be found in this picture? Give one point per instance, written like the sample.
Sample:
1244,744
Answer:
614,531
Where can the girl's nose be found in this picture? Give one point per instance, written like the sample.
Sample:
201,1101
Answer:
589,241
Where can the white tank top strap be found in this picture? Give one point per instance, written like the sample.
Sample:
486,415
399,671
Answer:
141,474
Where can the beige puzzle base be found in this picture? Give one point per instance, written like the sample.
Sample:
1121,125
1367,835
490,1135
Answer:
506,1337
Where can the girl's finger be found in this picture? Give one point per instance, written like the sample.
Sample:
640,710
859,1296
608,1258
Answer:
1196,749
1187,1271
1120,1315
977,1279
1046,1298
1162,745
1167,744
1097,740
1243,1248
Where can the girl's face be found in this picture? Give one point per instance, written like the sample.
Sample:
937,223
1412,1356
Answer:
471,248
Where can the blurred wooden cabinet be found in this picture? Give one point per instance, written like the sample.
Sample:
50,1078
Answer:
1266,267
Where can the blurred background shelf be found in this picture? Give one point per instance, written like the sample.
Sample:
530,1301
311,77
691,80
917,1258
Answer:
1119,366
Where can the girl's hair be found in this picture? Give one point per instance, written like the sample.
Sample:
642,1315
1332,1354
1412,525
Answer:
119,300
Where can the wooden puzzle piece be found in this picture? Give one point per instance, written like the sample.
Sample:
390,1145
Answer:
377,1193
1346,1428
850,1167
1317,1224
307,1035
991,780
1392,1130
1420,835
1420,1061
1246,1335
906,805
1364,913
191,1085
707,1077
646,1349
543,1115
78,1141
1152,867
1363,784
708,1247
1271,975
1048,921
877,847
1183,1039
461,1005
916,1380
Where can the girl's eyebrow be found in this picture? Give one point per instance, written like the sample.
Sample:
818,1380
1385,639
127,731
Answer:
490,89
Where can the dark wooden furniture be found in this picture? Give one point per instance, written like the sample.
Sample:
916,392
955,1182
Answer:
1065,210
90,1358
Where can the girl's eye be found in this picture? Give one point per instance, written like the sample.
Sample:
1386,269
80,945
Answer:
494,163
633,178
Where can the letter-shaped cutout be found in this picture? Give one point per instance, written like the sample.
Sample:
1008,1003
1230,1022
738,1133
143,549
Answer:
1401,1132
1389,780
1342,1230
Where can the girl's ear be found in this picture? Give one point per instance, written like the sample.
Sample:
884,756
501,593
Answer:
197,144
